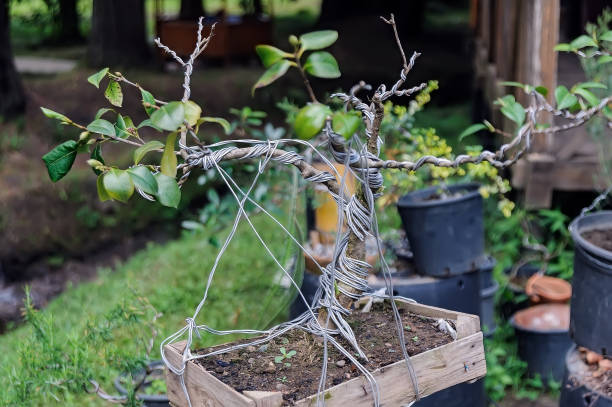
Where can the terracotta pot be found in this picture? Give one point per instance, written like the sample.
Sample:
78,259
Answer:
544,289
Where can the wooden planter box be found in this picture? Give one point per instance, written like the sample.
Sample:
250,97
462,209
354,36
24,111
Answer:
457,362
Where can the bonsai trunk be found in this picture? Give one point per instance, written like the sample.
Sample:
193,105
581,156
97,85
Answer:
356,248
12,101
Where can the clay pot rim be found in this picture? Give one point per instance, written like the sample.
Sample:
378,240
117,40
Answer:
516,325
560,290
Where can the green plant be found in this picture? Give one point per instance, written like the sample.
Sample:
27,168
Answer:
56,367
506,370
284,356
351,132
156,386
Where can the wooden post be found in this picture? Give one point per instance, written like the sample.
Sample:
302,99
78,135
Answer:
538,33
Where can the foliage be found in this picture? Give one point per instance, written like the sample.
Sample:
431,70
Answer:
405,142
506,370
540,237
57,365
171,276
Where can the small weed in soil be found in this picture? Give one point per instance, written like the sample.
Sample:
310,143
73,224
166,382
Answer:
292,363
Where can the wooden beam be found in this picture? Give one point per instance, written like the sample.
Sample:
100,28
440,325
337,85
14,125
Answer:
538,33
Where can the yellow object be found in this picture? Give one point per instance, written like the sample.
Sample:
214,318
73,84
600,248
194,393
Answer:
326,210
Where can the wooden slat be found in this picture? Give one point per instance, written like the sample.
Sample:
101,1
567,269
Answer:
456,362
436,369
204,389
265,398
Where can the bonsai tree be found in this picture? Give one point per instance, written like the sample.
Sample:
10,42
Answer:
352,135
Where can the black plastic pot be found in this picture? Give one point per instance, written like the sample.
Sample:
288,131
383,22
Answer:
446,235
310,283
574,393
457,293
460,395
148,400
488,288
541,348
591,287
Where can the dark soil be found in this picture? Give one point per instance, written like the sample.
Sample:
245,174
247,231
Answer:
600,238
444,194
254,368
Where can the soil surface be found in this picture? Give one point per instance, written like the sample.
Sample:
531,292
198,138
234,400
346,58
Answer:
600,238
255,368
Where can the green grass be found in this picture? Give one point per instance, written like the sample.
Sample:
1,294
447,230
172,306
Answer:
244,294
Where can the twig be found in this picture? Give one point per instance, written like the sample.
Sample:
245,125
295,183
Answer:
391,21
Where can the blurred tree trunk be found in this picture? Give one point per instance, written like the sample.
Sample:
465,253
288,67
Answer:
191,10
12,97
69,21
118,35
408,13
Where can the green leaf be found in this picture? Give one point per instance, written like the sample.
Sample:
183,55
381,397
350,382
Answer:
318,39
169,161
542,90
168,192
60,159
102,194
474,128
148,123
563,47
147,97
271,74
590,85
118,184
346,124
322,64
192,112
515,112
513,84
96,78
102,126
219,120
114,94
121,127
604,59
102,112
583,41
564,98
310,120
607,36
96,154
143,179
169,117
213,197
270,55
587,95
55,115
141,151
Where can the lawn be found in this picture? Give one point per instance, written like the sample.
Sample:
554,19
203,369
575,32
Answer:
245,293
